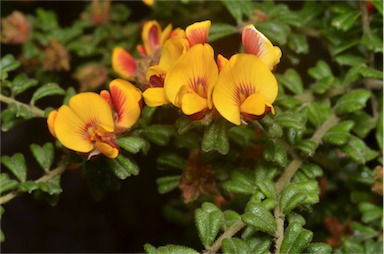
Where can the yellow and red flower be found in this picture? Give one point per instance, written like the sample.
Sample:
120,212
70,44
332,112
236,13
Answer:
245,88
189,83
90,122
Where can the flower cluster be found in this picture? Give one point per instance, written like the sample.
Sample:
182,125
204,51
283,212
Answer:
176,67
91,122
187,75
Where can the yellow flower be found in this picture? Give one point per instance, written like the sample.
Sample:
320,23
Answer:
123,63
197,33
149,2
189,83
256,43
86,125
171,52
246,87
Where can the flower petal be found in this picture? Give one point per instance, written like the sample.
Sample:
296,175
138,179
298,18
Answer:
92,108
155,97
107,97
221,61
107,149
192,103
51,122
242,76
256,43
165,34
125,97
123,63
197,33
171,52
71,130
254,105
195,69
151,36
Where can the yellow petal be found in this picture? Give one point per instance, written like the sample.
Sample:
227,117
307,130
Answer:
254,105
149,2
165,34
195,69
198,32
192,103
242,76
92,108
51,122
256,43
221,61
71,130
171,52
151,36
123,63
155,97
125,98
107,149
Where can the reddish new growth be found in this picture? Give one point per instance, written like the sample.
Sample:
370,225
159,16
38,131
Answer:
198,178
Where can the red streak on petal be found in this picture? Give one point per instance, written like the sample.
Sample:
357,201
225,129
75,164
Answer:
126,62
119,100
252,42
153,37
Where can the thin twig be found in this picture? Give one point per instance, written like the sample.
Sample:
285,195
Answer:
45,178
231,231
289,172
32,109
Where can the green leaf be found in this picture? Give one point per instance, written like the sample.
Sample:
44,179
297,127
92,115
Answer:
28,186
291,120
16,164
159,134
169,249
234,245
230,218
259,245
167,183
267,187
6,183
345,20
47,90
133,144
52,186
274,152
238,9
216,137
21,83
241,181
349,59
171,160
291,80
378,5
293,217
123,166
298,43
274,30
296,239
43,155
306,146
379,127
241,135
320,71
358,150
318,248
368,72
46,20
8,63
352,101
311,170
68,94
300,193
363,232
373,42
317,113
220,30
339,134
370,212
323,85
184,124
260,218
208,221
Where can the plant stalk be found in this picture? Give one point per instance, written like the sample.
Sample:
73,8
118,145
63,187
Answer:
32,109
